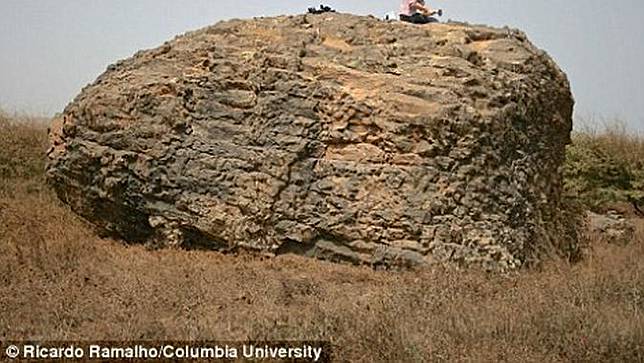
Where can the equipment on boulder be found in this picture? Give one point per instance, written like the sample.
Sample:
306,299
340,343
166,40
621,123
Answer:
392,16
323,9
418,18
422,17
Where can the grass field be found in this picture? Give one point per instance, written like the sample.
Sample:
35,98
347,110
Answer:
59,281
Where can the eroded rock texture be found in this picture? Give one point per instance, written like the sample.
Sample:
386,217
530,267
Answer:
334,136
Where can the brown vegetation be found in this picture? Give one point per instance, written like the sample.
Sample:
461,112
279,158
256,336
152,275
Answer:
60,281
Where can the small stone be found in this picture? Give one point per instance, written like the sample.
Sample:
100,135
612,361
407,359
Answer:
611,227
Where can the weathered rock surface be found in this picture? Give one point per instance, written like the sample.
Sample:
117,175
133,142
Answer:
334,136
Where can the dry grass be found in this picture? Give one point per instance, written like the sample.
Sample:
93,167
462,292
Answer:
22,143
60,281
613,136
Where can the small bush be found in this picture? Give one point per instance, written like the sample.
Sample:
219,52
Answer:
605,168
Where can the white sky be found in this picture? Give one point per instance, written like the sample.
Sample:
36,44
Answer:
50,49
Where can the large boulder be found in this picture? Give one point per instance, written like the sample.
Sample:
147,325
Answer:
334,136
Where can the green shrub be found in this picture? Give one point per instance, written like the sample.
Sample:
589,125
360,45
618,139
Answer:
605,168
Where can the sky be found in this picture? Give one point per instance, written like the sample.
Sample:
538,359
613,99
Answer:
50,49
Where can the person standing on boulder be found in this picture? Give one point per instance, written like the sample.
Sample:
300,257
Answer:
416,12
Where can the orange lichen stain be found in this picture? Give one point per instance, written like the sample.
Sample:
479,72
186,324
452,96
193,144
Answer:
414,106
355,152
264,34
337,43
481,45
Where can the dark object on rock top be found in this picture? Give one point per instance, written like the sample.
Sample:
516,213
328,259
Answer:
418,18
340,137
323,9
